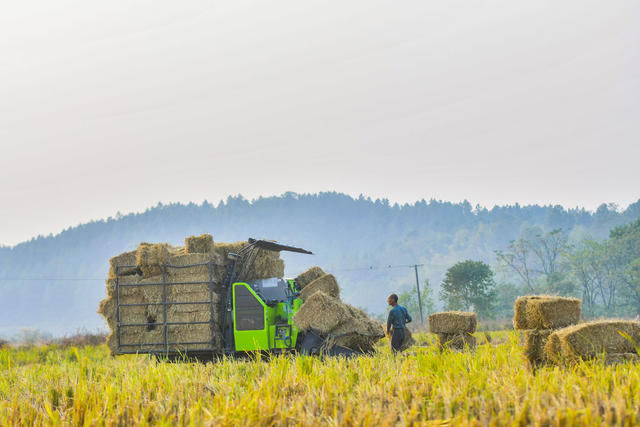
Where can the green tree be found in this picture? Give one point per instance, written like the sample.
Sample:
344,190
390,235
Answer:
469,285
409,299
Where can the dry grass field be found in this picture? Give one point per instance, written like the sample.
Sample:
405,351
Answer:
73,385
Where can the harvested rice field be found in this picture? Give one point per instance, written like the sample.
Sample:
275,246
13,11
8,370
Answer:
492,386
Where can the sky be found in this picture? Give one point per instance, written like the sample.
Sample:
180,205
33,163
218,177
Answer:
116,106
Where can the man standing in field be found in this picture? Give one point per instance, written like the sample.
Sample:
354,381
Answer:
398,317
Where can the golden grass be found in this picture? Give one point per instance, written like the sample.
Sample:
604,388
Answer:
491,386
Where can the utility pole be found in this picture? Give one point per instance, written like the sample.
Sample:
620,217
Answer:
415,267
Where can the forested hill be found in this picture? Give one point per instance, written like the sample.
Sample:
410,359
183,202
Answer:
54,283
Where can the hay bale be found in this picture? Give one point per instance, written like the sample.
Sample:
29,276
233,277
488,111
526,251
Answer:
321,312
358,332
309,276
151,257
202,244
458,341
266,264
545,312
127,259
327,284
534,344
589,340
453,322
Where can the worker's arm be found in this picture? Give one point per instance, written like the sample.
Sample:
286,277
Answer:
389,323
408,318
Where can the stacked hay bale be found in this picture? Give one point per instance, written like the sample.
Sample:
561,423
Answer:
454,329
541,315
614,340
146,265
324,312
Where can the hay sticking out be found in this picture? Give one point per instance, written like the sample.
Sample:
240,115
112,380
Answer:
589,340
534,344
453,322
545,312
458,341
326,284
202,244
309,276
321,312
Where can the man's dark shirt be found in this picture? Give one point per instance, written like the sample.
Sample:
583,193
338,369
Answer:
398,316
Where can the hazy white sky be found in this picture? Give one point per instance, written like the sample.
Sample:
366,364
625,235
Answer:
116,105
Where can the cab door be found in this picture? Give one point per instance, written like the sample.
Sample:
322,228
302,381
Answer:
250,319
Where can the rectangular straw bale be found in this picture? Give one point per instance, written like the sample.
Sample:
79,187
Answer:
198,244
534,344
321,312
359,331
459,341
123,280
327,284
588,340
127,259
151,257
546,312
453,322
177,264
266,264
309,276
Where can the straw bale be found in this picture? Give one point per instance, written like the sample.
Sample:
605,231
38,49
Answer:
309,276
321,312
124,259
534,344
358,332
151,257
124,280
546,312
265,265
177,265
327,284
459,341
588,340
453,322
198,244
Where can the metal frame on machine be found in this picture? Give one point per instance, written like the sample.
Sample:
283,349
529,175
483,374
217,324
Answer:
166,344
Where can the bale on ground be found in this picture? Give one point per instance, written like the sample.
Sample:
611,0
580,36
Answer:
453,322
534,344
198,244
327,284
309,276
545,312
321,312
459,341
589,340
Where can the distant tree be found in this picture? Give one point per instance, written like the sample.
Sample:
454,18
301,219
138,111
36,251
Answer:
409,299
469,285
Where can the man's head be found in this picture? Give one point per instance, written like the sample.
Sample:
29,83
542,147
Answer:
392,300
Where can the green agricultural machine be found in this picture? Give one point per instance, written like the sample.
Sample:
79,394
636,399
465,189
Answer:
257,315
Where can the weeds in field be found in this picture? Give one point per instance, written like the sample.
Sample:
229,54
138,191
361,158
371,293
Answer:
55,385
